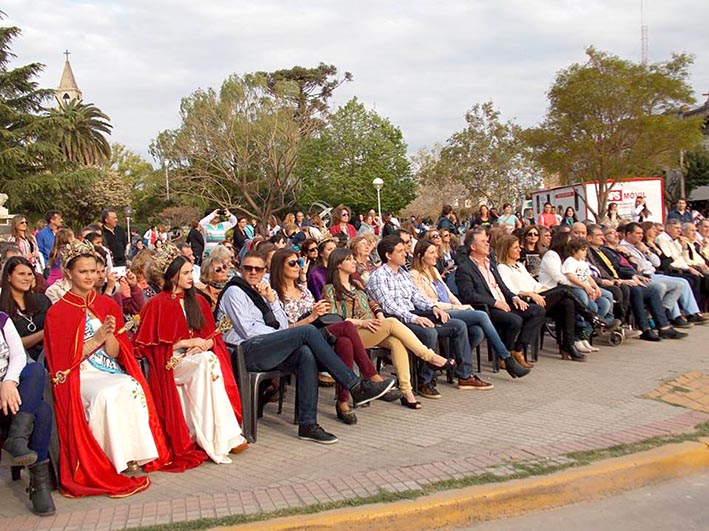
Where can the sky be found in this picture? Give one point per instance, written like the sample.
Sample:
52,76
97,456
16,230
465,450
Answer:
419,63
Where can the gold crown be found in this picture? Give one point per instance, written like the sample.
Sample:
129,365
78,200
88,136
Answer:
165,256
76,248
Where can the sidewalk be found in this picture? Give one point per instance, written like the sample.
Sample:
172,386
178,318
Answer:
561,407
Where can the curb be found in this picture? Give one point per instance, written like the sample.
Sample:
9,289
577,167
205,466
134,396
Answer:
513,498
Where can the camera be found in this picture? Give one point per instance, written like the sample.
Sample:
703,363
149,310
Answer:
221,212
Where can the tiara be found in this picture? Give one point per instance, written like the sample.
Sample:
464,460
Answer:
74,249
164,257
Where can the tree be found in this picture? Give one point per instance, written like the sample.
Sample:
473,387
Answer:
314,87
697,170
236,147
79,132
23,123
610,119
489,158
355,147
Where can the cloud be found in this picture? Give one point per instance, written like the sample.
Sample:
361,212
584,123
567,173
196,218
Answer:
421,63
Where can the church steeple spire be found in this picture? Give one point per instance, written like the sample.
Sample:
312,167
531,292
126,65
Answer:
68,89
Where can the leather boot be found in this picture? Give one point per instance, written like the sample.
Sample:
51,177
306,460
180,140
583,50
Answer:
519,356
15,451
40,489
514,369
570,352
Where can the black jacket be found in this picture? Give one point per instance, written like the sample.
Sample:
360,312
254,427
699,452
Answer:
116,241
472,286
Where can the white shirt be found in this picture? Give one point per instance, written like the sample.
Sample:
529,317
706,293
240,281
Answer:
550,270
13,357
517,279
577,267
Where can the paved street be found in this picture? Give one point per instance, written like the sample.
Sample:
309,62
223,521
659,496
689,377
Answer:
679,504
560,408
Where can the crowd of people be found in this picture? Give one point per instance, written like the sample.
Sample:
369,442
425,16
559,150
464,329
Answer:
133,331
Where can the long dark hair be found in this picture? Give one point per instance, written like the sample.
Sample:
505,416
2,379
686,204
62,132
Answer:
7,302
332,275
277,275
193,313
558,244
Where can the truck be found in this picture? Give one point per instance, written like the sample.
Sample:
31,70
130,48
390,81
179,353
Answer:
623,193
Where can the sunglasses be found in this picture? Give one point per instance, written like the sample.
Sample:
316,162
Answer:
253,269
533,234
311,250
345,215
446,235
219,269
435,235
292,263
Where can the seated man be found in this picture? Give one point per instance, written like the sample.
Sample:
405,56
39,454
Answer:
677,288
637,290
479,282
672,244
392,287
260,326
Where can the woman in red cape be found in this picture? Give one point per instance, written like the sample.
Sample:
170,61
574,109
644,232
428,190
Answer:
85,469
164,332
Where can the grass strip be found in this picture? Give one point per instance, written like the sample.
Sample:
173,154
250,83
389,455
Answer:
522,470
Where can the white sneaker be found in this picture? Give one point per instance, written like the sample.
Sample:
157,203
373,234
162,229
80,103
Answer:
631,333
590,347
581,347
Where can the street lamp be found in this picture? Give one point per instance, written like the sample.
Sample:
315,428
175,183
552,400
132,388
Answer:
378,184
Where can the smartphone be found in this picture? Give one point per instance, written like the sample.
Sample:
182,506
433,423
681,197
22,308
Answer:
120,271
301,262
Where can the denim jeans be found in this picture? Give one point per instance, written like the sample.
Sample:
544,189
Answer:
481,320
457,330
300,349
31,389
678,290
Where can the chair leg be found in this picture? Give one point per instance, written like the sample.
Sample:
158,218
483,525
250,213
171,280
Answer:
16,472
255,406
477,354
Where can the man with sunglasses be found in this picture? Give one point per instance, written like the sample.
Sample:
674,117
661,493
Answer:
260,326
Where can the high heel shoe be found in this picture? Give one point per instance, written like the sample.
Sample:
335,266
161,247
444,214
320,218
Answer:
570,352
519,356
514,368
411,405
449,364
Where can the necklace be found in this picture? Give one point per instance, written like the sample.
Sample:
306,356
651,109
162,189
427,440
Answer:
31,326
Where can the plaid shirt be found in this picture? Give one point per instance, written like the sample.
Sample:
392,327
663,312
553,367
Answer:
396,293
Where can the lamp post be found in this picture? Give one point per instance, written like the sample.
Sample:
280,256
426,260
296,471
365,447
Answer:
378,184
128,212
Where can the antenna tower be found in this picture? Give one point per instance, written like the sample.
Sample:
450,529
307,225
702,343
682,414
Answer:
643,34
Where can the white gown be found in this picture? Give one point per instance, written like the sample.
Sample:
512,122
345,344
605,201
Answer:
206,406
115,408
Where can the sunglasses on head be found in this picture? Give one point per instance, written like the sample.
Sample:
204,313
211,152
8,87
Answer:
292,263
253,269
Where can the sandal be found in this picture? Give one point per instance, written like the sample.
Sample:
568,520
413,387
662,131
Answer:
449,364
411,405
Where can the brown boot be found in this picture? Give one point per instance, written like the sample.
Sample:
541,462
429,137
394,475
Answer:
519,357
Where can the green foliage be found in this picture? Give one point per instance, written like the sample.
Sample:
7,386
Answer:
355,147
236,147
610,119
23,124
313,88
79,194
79,132
697,170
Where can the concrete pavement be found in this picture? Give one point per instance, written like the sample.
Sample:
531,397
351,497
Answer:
561,407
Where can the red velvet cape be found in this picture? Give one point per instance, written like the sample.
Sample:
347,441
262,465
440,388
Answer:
162,324
85,469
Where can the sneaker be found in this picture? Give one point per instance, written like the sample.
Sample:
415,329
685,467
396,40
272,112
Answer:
631,333
315,433
671,333
697,319
366,391
429,391
649,335
474,383
680,322
580,346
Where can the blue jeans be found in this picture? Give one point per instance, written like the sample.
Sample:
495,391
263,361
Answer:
300,349
31,389
458,331
481,321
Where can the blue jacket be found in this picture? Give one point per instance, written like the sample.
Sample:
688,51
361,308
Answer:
45,242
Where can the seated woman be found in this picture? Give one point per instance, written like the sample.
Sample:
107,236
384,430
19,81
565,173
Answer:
341,223
213,275
21,402
531,250
190,371
316,275
560,302
106,418
26,308
429,281
347,298
301,309
361,250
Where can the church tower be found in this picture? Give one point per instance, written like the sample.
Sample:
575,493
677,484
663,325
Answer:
68,89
